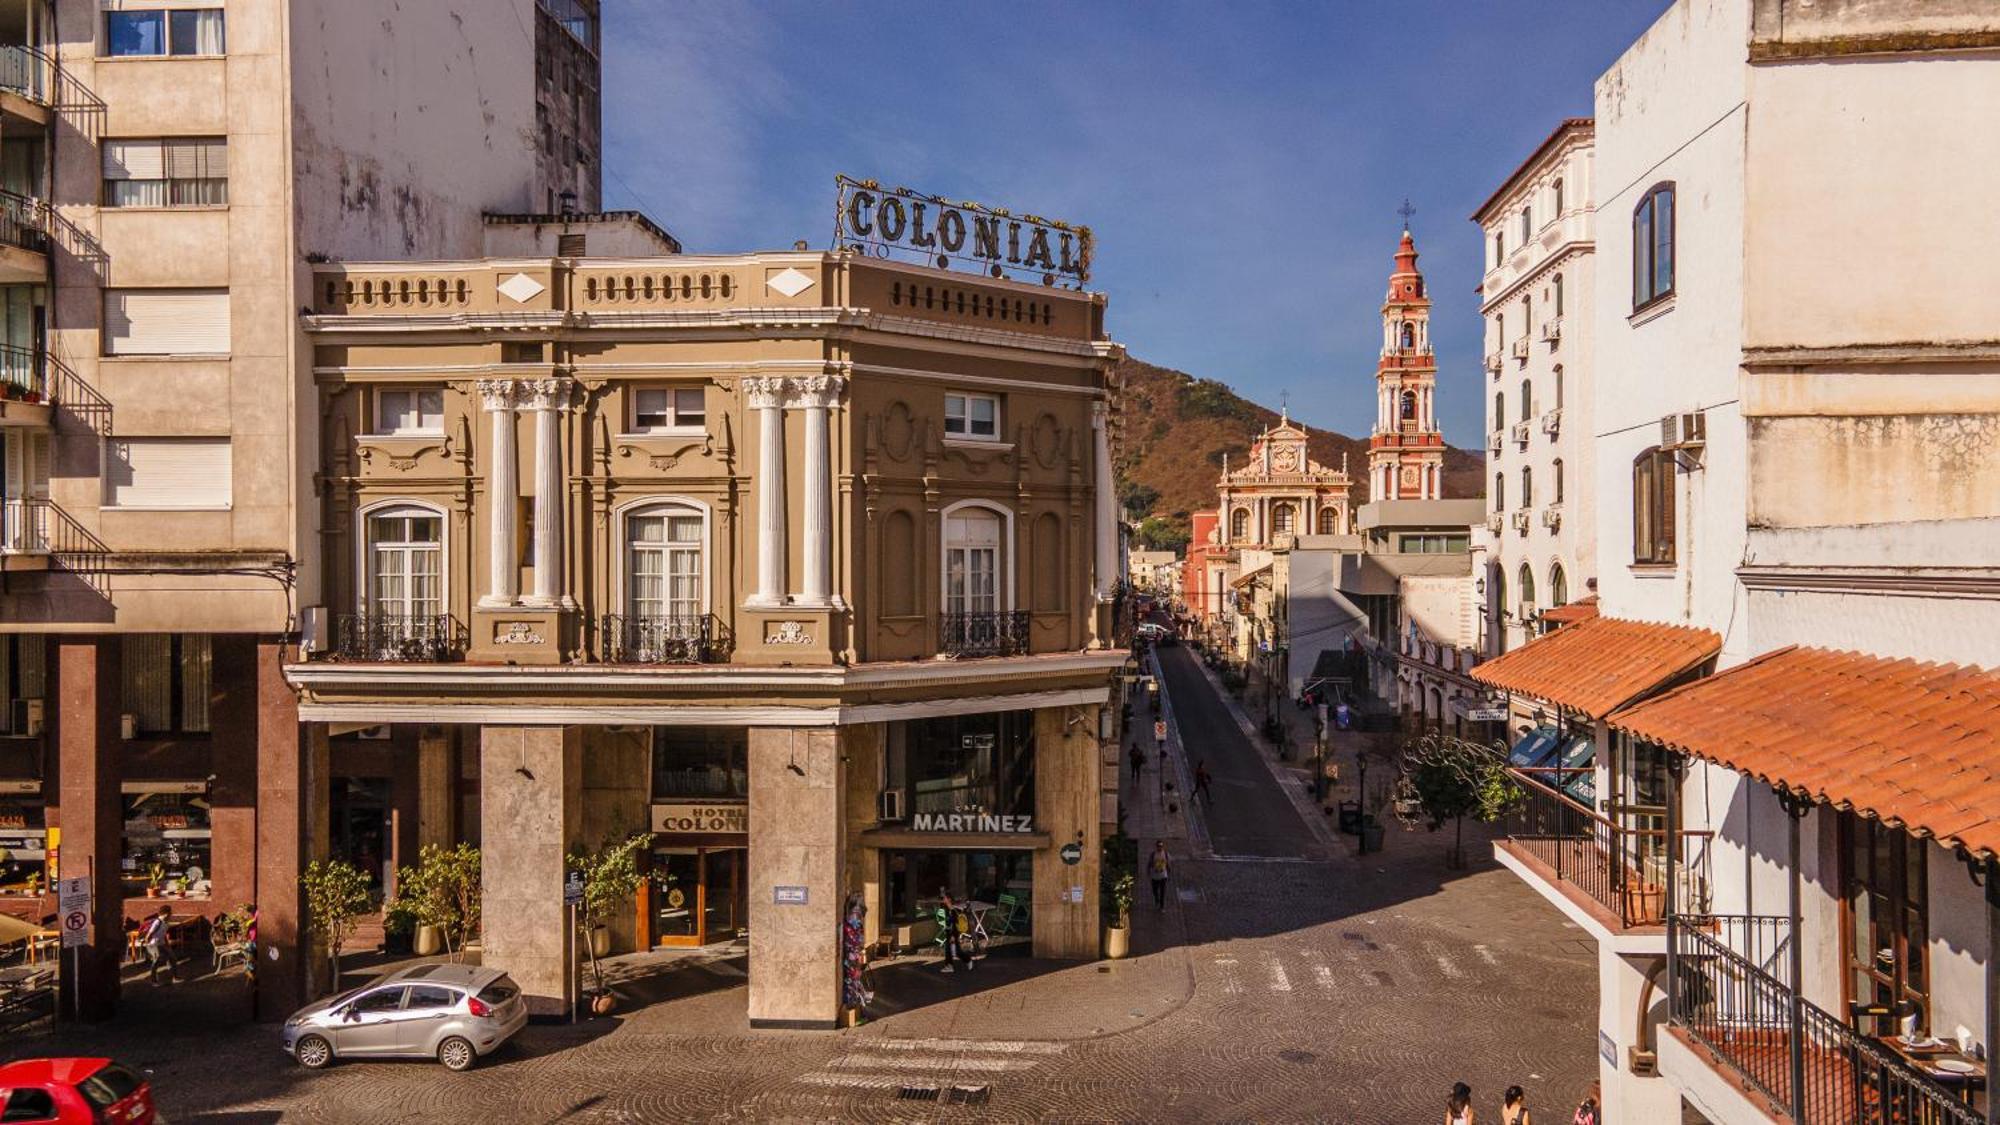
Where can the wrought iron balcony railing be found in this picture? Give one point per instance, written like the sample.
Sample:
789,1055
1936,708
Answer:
647,639
397,638
984,634
1619,867
1738,1000
24,222
28,71
24,526
23,375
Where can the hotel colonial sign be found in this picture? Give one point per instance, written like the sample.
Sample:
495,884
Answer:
897,222
678,817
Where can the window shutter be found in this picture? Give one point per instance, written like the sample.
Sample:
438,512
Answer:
167,473
166,322
133,160
196,158
38,466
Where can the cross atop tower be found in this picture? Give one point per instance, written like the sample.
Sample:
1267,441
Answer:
1284,407
1406,211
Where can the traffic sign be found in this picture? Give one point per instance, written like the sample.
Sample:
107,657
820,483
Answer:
76,928
73,901
573,888
1072,853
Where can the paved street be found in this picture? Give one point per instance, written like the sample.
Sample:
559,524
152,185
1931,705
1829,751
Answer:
1272,988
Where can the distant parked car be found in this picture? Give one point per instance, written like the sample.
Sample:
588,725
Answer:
75,1092
452,1013
1156,633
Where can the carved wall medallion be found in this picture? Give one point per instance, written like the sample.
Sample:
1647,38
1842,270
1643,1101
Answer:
516,633
1046,442
787,633
898,431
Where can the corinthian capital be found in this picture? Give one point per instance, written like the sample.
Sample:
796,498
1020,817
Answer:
498,394
545,394
818,390
766,392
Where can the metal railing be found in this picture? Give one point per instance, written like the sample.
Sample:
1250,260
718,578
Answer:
24,222
984,634
646,639
23,375
1760,1026
24,526
397,638
1610,863
27,71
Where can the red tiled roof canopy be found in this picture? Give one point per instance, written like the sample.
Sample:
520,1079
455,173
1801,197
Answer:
1600,664
1913,744
1575,611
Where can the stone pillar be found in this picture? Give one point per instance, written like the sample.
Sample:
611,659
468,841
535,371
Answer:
437,785
503,492
92,815
292,810
1067,808
546,399
617,795
818,395
1106,497
531,812
862,748
767,397
796,850
233,761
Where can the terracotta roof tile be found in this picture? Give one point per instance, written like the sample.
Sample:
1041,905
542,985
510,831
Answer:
1600,664
1575,611
1912,744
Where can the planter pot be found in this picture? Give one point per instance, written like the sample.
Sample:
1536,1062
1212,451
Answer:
152,892
1371,836
1645,903
399,944
603,1003
600,941
429,941
1117,942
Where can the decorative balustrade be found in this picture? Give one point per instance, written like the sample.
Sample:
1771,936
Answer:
984,634
398,638
24,526
650,639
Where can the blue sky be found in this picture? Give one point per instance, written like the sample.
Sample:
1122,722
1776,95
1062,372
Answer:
1241,163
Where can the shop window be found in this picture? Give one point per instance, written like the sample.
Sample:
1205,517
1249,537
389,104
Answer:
704,762
1886,944
914,881
166,685
979,764
23,683
23,843
166,836
1653,508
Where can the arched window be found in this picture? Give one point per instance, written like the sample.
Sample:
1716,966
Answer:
1499,330
1528,316
1527,225
1653,507
1329,521
1559,292
1557,188
972,561
664,563
1559,386
1499,604
1409,335
1239,525
1557,467
1284,519
1409,406
1558,585
1527,399
1499,492
1527,579
1653,246
1499,247
405,563
1499,411
1527,486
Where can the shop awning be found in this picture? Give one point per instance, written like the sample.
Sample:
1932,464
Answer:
1252,576
1914,745
1573,612
1600,664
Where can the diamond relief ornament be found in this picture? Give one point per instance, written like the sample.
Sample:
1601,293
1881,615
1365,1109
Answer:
521,288
790,282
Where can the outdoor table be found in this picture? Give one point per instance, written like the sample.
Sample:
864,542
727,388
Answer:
1926,1059
978,911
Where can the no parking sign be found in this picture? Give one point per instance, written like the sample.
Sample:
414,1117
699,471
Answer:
73,903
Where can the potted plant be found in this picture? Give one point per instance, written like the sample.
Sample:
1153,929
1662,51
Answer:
399,927
34,883
155,873
1117,878
611,877
443,893
336,893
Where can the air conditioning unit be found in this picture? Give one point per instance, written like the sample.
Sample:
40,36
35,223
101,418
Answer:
1521,433
1552,422
1552,329
892,804
28,717
1552,517
312,630
1495,521
1521,520
1493,362
1494,441
1520,349
1686,430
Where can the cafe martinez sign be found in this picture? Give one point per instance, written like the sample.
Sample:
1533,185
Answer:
896,222
971,822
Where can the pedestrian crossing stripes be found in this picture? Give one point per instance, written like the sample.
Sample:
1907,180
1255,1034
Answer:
891,1064
1341,966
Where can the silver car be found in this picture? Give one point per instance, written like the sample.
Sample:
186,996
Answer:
451,1013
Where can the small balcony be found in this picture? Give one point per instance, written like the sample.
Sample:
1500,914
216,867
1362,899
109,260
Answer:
24,527
1552,517
1523,432
1618,872
24,240
397,638
1552,329
1731,993
984,634
1495,441
27,75
665,639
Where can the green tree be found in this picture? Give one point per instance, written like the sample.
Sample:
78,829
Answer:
610,878
336,896
1137,497
1157,533
1450,779
443,890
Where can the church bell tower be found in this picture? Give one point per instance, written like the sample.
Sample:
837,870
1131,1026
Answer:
1406,451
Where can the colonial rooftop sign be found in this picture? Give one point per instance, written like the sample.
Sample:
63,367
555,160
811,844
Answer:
898,222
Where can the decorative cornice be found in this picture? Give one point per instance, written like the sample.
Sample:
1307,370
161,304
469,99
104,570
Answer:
1982,584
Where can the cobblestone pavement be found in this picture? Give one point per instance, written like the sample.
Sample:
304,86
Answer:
1345,988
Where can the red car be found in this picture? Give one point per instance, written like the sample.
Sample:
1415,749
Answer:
75,1092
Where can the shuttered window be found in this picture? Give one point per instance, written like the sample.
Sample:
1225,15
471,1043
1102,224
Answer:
166,322
167,172
167,473
167,681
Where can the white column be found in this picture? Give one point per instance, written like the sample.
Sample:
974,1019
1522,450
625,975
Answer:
546,399
818,395
1106,500
503,490
767,396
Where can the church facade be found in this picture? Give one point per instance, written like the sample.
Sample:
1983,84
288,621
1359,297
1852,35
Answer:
1282,492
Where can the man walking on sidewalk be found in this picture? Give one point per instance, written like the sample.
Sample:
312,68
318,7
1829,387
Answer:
1138,762
1157,869
1201,780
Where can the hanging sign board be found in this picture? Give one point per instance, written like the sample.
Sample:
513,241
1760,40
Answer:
898,222
696,817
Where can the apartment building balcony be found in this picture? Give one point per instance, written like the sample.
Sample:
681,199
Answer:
1743,1036
984,634
24,387
1523,432
24,240
28,80
24,530
662,639
1493,362
398,638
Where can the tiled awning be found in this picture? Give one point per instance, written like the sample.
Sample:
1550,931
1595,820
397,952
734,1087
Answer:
1912,744
1251,576
1600,664
1573,612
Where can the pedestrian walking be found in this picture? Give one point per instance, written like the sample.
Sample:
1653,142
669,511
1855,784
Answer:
956,929
1586,1113
1201,780
1138,762
1158,868
1458,1108
1514,1108
153,939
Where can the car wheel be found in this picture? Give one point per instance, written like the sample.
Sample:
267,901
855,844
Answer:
457,1054
313,1052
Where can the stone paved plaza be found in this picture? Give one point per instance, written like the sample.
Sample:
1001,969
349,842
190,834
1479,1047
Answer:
1299,982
